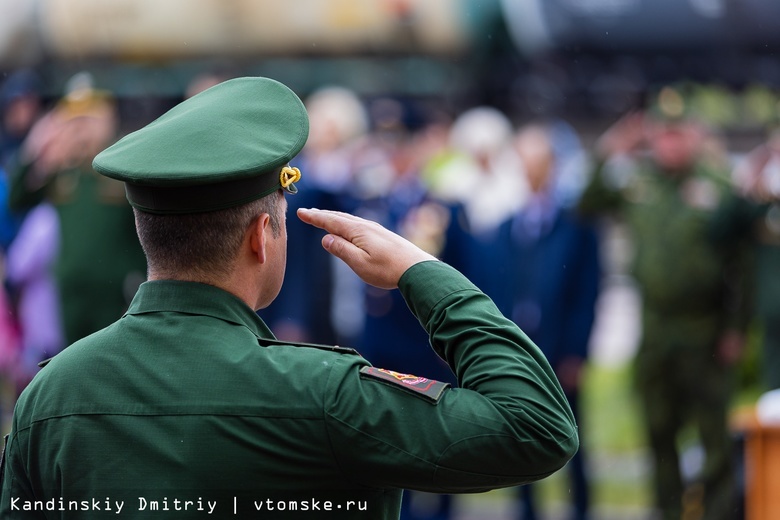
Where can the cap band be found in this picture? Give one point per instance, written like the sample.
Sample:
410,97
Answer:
200,198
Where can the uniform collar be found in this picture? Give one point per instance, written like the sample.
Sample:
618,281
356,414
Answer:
196,298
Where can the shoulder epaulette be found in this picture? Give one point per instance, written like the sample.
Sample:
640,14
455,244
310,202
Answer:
264,342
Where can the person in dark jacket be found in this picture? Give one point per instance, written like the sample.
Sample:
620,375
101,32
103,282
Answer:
545,272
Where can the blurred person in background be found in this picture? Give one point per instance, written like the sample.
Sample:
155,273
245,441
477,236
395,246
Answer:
756,215
320,303
547,281
653,170
99,262
480,171
387,187
29,274
21,105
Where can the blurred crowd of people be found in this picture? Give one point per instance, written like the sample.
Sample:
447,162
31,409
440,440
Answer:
521,208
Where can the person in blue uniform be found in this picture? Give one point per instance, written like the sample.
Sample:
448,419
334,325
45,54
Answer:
546,273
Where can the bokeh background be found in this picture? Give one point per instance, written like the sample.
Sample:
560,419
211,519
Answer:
589,59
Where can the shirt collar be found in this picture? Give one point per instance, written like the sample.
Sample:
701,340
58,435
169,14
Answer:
197,298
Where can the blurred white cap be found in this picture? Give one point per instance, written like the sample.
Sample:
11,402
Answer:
339,109
481,131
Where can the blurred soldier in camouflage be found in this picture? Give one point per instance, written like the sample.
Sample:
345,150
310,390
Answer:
654,170
99,263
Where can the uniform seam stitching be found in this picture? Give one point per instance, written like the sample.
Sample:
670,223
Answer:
153,414
325,416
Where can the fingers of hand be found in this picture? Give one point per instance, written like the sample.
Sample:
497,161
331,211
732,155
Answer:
340,248
325,219
339,224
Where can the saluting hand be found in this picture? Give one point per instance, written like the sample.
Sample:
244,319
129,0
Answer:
377,255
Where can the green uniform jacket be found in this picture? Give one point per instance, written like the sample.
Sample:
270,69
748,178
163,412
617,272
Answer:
691,281
188,397
100,261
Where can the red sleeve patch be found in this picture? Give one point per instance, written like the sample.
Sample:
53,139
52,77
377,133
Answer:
429,389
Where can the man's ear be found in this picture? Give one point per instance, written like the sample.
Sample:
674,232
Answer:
257,236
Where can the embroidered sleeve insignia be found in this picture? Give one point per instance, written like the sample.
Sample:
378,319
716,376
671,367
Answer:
428,389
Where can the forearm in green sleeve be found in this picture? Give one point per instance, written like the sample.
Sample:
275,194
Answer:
491,356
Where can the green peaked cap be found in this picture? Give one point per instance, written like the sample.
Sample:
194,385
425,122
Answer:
226,146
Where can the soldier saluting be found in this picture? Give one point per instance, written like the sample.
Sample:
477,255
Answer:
189,395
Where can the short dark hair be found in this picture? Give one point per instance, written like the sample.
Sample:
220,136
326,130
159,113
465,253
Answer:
202,246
